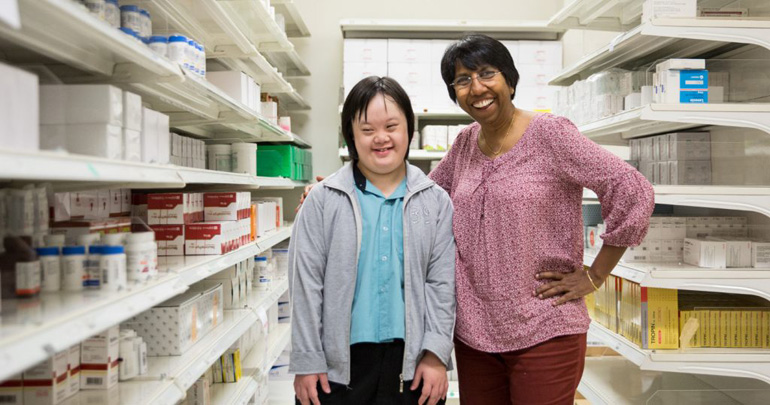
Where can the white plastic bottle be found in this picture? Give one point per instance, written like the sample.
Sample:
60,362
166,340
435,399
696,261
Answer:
73,273
146,23
141,256
131,18
190,52
219,157
202,56
244,158
114,239
57,240
92,247
177,49
50,268
96,7
112,264
112,13
159,45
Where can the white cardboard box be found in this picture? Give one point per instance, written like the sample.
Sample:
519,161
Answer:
19,109
738,252
94,104
46,383
233,83
547,53
365,50
132,145
99,359
53,101
53,137
705,253
150,135
760,254
132,111
73,367
689,146
668,8
353,72
100,140
170,239
164,139
409,50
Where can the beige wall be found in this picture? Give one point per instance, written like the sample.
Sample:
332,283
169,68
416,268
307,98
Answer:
322,53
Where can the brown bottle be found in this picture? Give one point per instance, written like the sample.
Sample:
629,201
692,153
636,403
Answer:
19,268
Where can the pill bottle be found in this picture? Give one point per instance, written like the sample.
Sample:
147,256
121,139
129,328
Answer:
19,268
131,18
114,239
202,56
91,243
50,268
73,274
177,49
141,255
112,265
96,7
219,157
112,13
244,158
191,55
146,23
159,45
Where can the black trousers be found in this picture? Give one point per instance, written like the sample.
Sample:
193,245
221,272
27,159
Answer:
374,378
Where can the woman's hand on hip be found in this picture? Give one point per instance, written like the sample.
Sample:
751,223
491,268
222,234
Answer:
568,286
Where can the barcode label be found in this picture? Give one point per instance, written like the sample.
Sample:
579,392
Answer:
9,399
94,381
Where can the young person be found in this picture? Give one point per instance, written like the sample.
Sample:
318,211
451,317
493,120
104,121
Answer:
371,268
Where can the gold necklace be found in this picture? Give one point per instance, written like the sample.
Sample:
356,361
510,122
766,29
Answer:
502,143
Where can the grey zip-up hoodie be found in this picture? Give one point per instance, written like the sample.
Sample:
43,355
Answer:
323,264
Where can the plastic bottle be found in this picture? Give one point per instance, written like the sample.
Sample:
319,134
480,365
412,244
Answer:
131,18
146,21
262,274
74,276
219,157
112,264
92,248
177,49
190,54
54,240
244,158
141,256
96,7
112,13
159,45
202,56
114,239
19,268
50,268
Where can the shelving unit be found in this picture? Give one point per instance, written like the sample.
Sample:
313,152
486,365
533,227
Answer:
436,29
611,15
414,154
78,172
751,199
745,363
662,38
687,277
33,329
661,118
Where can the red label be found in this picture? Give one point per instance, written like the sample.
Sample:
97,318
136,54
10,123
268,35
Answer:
167,232
202,231
644,294
218,199
94,367
61,378
38,383
164,201
75,370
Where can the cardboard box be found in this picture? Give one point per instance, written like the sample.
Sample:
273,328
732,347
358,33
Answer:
150,136
684,86
681,64
233,83
19,109
46,383
690,172
53,137
365,50
172,327
652,9
409,50
132,111
173,208
12,390
100,140
210,238
164,139
94,104
660,318
73,367
99,359
226,206
170,239
689,146
53,104
760,254
738,252
705,253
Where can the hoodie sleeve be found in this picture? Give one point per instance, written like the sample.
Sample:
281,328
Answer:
307,266
440,287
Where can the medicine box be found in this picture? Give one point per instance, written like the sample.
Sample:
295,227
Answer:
226,206
365,50
99,359
19,109
738,252
12,389
109,396
100,140
684,86
172,327
164,139
53,137
132,111
690,172
689,146
660,318
170,239
705,253
668,8
210,238
47,382
150,122
132,145
233,83
174,208
760,254
53,101
278,208
408,50
681,64
353,72
94,104
73,367
231,295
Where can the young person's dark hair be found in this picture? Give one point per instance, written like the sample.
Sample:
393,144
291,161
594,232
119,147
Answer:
358,100
474,51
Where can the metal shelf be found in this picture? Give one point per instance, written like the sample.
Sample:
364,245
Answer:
66,32
605,15
33,329
679,276
414,154
745,363
437,29
666,38
277,340
295,25
661,118
613,380
752,199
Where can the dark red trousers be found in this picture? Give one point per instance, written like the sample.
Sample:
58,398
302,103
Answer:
547,373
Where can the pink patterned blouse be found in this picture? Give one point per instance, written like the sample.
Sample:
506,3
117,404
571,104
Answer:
521,214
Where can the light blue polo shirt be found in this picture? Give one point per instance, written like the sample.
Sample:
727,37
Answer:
378,305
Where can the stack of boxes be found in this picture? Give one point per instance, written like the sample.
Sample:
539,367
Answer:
167,215
188,152
19,109
227,224
439,137
681,81
286,161
681,158
239,86
416,65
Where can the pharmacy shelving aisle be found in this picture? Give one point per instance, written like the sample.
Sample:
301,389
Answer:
684,375
62,42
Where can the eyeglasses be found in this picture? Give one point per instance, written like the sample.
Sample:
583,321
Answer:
465,81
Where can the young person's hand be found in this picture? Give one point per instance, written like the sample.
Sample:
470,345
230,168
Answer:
307,191
432,372
305,387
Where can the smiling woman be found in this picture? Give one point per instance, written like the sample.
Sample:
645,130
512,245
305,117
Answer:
516,179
